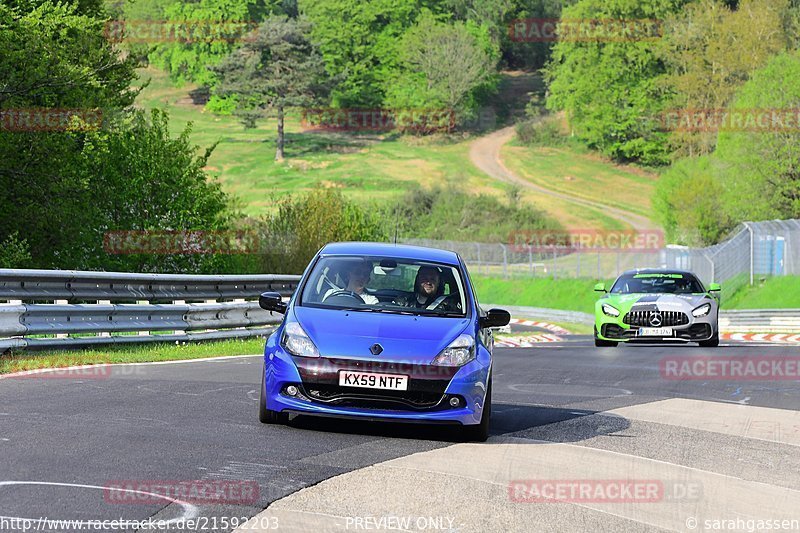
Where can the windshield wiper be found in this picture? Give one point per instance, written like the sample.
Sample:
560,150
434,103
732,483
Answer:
377,310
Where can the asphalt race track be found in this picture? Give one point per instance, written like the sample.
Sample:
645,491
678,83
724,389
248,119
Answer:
717,449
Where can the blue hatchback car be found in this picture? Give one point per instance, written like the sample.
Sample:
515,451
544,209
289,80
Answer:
380,331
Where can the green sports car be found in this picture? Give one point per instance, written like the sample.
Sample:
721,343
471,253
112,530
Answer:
656,305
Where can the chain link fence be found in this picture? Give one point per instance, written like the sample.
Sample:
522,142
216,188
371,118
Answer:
754,250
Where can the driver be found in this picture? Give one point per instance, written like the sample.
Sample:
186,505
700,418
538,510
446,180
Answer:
357,276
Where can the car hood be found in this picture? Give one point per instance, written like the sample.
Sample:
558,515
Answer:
404,338
660,302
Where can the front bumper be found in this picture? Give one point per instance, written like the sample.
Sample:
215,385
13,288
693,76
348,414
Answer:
615,329
427,399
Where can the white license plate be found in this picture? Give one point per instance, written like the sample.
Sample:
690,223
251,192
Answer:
655,332
373,381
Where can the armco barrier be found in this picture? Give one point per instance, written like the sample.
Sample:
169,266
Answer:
87,309
38,285
760,321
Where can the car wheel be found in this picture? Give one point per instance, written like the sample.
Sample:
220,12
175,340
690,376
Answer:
480,432
713,342
268,416
600,343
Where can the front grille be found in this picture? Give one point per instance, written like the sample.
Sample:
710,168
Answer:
334,395
668,318
426,383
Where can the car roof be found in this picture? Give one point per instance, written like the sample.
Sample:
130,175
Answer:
398,251
658,271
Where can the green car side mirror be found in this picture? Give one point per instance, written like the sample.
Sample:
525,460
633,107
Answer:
600,287
714,287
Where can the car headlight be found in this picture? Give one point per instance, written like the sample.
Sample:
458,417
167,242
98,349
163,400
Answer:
610,311
297,342
703,310
460,352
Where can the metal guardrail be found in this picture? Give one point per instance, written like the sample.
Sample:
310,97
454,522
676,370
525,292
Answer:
62,324
760,321
106,322
38,285
541,313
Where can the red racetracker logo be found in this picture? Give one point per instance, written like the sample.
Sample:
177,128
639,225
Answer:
586,491
418,119
197,491
50,120
767,368
736,120
542,30
594,240
179,31
182,242
100,371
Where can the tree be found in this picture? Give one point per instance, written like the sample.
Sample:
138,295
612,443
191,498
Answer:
278,67
689,202
442,64
220,26
63,184
492,13
761,162
711,50
153,182
53,57
358,41
610,88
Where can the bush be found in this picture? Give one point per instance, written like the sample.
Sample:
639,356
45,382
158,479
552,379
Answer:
220,105
689,203
305,223
453,214
14,252
540,132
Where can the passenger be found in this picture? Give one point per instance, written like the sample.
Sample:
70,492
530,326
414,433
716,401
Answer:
428,292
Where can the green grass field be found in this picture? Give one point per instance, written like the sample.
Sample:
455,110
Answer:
377,168
583,174
17,362
566,294
780,292
578,295
367,167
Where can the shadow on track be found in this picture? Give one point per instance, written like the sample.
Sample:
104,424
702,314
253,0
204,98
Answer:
506,418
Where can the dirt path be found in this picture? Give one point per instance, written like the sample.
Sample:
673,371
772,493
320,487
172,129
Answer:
485,154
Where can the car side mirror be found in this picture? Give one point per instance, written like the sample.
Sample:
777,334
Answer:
714,287
495,318
272,301
600,287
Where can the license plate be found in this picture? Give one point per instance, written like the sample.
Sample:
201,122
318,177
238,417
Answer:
373,381
655,332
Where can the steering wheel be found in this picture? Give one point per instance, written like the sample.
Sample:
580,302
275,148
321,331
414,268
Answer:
345,294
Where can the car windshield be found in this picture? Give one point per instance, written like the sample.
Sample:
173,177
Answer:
670,283
388,285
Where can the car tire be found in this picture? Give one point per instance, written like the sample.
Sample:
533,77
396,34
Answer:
600,343
713,342
268,416
480,432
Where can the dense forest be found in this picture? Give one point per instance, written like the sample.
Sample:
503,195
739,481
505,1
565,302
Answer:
64,188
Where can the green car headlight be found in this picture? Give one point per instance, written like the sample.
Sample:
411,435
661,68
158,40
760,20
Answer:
610,310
